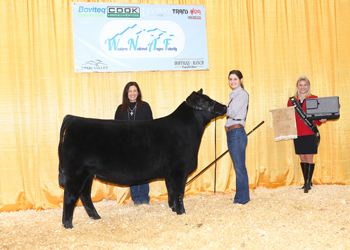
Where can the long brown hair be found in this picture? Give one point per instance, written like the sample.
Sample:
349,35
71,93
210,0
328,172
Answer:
126,101
238,74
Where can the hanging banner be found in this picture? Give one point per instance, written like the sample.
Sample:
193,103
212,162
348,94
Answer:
139,37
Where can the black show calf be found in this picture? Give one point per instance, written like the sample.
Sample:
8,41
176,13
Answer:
132,152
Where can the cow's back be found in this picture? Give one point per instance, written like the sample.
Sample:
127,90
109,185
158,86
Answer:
148,149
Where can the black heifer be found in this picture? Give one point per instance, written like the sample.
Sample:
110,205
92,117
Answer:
128,153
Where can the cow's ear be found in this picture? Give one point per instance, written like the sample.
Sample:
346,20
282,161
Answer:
200,91
191,99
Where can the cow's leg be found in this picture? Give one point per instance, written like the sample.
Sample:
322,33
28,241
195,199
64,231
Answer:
85,198
69,201
73,188
178,183
171,197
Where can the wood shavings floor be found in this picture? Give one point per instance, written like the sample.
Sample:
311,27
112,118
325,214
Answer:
282,218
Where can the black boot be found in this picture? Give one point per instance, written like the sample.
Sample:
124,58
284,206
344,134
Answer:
303,168
310,171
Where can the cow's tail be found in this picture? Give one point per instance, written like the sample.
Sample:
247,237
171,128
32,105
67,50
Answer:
61,175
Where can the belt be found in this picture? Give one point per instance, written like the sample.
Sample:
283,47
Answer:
234,126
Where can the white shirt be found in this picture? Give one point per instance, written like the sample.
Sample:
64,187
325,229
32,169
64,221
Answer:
237,107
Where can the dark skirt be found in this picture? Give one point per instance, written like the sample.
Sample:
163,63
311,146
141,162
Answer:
305,145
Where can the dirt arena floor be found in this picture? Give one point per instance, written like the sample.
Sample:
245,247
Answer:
283,218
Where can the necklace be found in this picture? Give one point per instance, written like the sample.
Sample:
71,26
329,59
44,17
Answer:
132,112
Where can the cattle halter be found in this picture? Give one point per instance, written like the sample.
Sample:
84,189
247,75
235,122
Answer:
210,109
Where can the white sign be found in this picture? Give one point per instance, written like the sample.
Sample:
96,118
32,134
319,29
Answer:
139,37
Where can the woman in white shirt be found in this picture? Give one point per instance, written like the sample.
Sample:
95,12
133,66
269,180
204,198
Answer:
237,138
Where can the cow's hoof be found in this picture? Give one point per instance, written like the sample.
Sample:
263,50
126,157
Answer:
181,212
96,217
68,225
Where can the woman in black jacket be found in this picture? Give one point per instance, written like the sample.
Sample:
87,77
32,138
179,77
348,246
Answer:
134,109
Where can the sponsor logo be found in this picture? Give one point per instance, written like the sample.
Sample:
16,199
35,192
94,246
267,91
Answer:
144,39
189,64
123,12
195,14
180,11
94,65
160,12
91,12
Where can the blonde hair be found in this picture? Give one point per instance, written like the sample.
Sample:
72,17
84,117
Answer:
303,78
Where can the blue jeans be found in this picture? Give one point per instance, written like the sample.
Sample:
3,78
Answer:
237,142
139,193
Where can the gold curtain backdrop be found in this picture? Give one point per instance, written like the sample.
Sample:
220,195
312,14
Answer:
272,42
